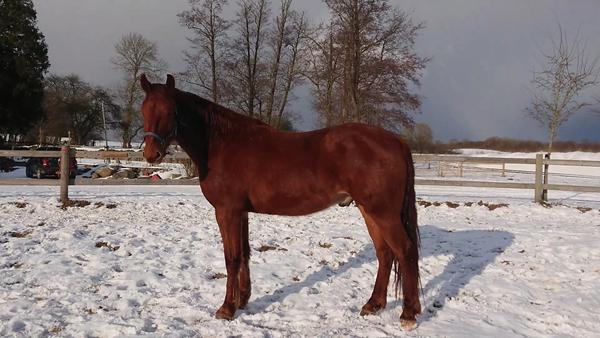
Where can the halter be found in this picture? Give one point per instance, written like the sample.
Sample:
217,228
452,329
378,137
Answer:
161,140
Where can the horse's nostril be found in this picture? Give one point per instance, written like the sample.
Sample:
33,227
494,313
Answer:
158,154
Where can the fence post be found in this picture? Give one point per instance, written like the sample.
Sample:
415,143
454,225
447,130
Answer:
546,166
538,178
64,174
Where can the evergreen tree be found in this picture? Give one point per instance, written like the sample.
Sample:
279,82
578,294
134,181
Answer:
23,62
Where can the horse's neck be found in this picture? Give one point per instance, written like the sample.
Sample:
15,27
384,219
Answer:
204,123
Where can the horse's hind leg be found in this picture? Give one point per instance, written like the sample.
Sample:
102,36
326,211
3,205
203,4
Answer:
394,233
231,228
378,299
244,277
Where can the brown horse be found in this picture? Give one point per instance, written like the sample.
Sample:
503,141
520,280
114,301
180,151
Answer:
247,166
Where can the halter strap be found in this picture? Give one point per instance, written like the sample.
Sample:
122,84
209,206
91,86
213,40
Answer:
161,140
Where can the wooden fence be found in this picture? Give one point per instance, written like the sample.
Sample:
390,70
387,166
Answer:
537,186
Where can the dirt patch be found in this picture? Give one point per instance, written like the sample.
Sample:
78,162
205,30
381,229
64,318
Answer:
14,265
264,248
426,204
218,275
325,245
75,203
108,206
108,246
19,205
55,329
492,206
452,205
20,234
583,209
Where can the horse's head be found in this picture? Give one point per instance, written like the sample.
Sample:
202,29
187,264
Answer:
159,112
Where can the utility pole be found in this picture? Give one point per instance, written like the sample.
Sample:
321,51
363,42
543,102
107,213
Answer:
104,123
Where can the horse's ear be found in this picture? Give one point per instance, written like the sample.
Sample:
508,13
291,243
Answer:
170,82
145,83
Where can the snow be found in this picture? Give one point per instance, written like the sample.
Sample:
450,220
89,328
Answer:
142,261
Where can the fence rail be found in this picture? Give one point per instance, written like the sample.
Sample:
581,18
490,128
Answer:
538,186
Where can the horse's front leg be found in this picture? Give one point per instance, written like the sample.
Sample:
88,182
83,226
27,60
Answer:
244,276
230,225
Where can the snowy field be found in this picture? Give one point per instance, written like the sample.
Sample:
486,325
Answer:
148,261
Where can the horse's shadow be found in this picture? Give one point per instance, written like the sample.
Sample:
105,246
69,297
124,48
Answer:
471,251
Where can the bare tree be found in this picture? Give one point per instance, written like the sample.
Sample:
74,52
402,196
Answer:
246,65
205,60
287,39
73,106
134,55
375,64
419,137
423,137
250,64
322,70
557,87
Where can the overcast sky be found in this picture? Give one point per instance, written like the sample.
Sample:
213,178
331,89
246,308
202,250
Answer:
476,85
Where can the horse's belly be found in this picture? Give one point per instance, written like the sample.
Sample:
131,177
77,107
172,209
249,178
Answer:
294,203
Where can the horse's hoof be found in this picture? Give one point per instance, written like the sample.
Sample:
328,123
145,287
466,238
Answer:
370,309
408,324
225,312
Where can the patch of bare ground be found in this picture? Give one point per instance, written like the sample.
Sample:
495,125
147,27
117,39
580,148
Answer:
108,206
20,234
325,245
107,245
266,247
453,205
218,275
492,206
19,205
75,203
583,209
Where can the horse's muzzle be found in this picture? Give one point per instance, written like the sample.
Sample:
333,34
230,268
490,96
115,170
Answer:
153,152
154,158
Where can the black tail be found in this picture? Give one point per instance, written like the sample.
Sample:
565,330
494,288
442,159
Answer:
409,216
409,210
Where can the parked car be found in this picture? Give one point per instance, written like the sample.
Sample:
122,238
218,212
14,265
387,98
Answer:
6,164
40,167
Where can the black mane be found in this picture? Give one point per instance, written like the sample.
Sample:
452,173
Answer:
200,122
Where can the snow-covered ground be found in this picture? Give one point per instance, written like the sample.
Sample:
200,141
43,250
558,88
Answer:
148,261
